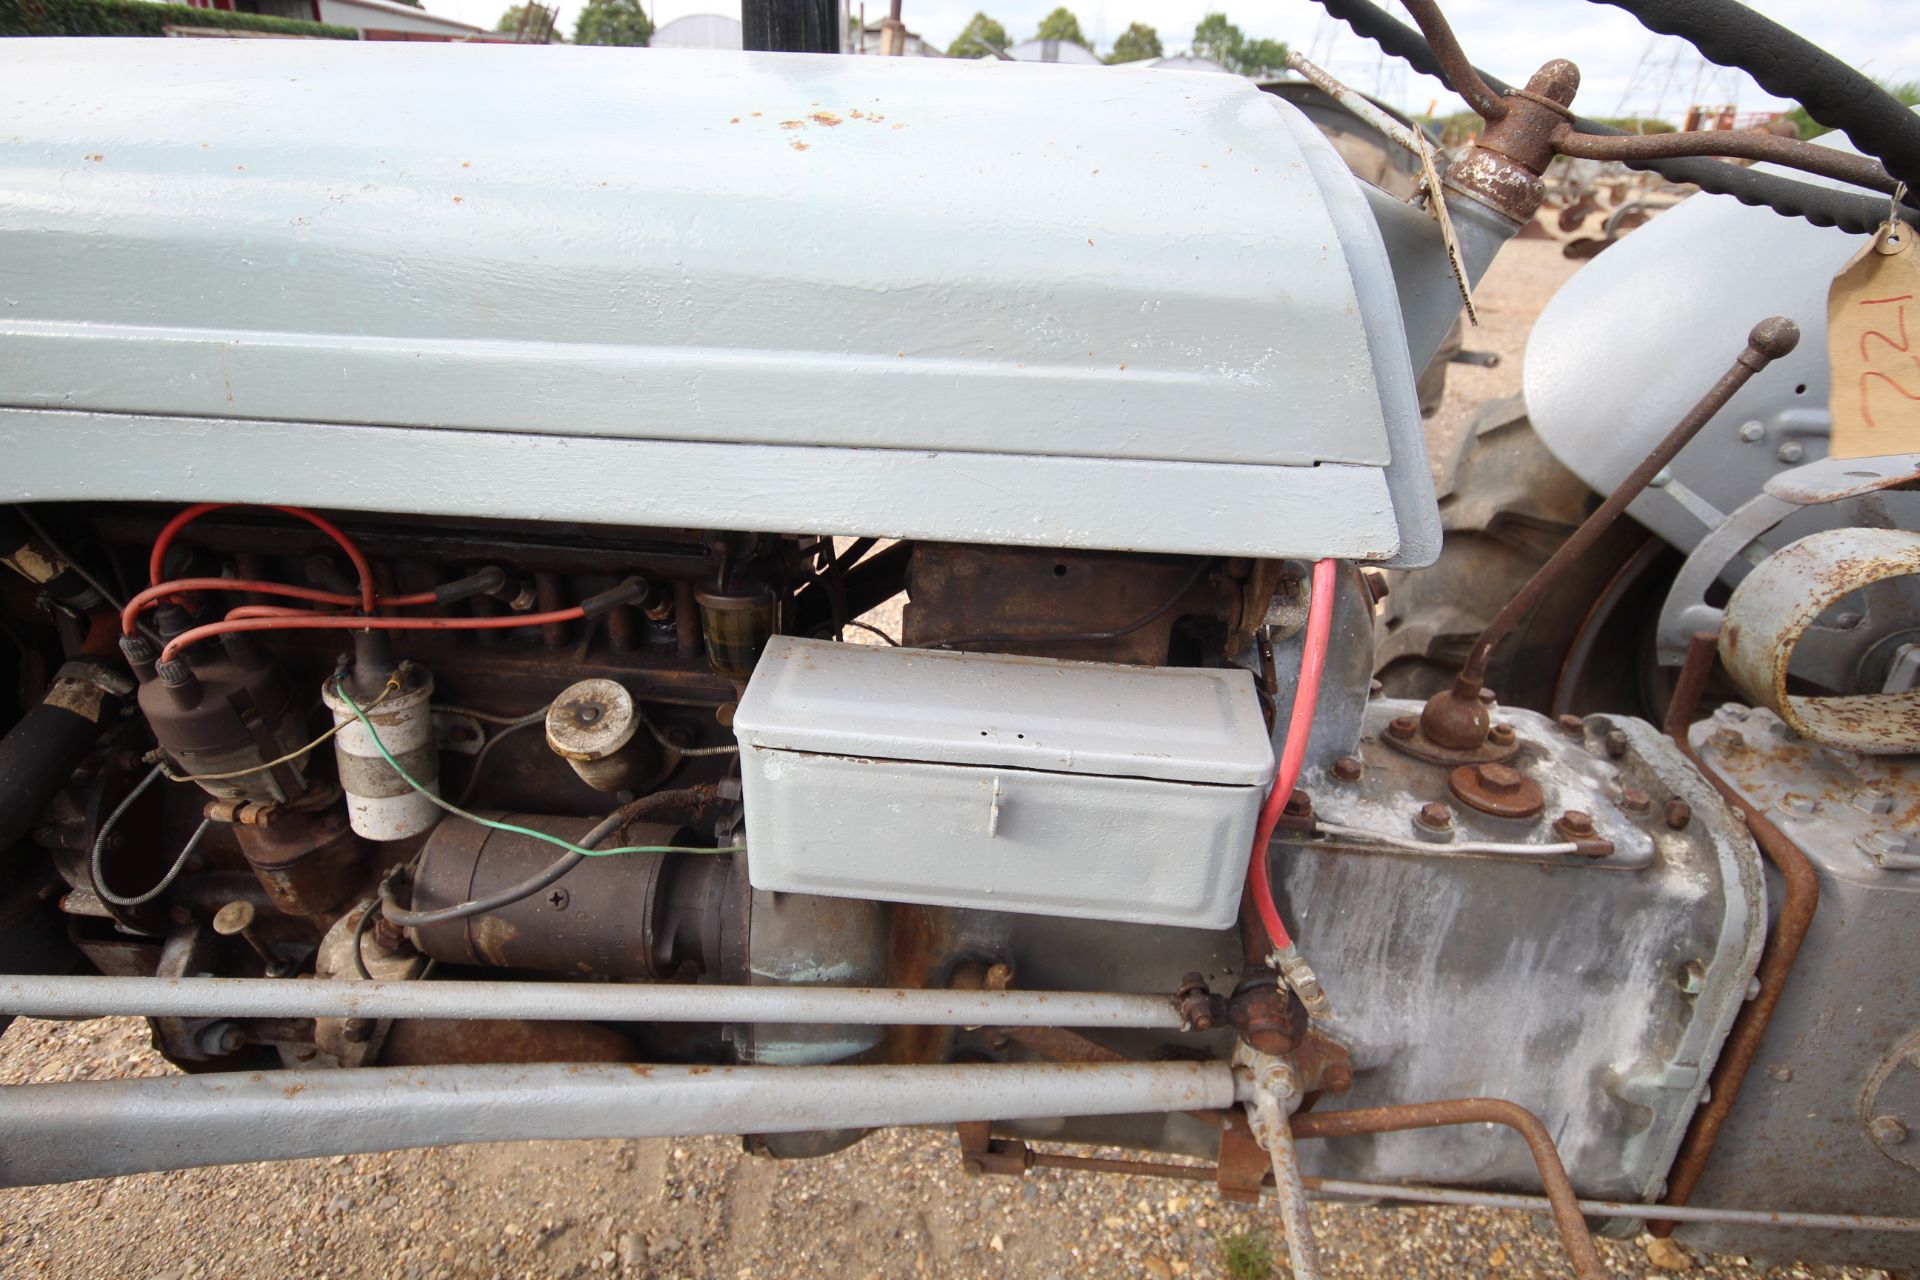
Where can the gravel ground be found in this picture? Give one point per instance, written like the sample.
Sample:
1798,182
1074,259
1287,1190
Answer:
895,1205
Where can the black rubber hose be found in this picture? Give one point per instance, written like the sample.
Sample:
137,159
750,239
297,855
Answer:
45,746
1789,66
1822,206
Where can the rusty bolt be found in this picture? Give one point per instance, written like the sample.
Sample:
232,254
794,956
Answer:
1634,800
1347,769
1574,825
1679,814
1197,1011
1616,743
1402,727
1435,816
1888,1131
1572,724
1299,804
1498,778
1501,735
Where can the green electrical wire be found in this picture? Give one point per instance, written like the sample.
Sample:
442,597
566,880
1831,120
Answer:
340,688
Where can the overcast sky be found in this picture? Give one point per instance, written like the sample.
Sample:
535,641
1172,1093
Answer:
1625,70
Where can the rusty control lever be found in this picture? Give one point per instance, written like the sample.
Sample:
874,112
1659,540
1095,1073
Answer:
1456,718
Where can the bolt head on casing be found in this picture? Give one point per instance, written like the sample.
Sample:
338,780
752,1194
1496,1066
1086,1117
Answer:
1574,824
1888,1131
1498,790
1435,816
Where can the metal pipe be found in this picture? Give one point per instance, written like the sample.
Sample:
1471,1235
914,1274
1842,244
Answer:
96,1129
1797,907
1432,1115
1268,1116
1344,1191
1610,1208
1455,717
92,997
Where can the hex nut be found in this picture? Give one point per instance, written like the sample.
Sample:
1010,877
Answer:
1574,824
1572,724
1347,769
1435,816
1498,778
1634,800
1679,814
1616,743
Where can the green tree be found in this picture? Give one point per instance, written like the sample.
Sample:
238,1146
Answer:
974,38
612,22
1216,38
528,14
1138,41
1061,25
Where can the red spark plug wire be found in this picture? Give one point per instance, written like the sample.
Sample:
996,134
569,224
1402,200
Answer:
301,621
129,616
156,562
1293,754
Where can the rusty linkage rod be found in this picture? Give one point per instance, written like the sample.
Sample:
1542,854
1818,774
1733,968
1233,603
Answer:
1455,717
1747,144
1567,1219
1461,74
1776,961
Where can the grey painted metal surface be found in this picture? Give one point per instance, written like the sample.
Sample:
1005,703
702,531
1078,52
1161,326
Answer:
1000,782
1594,992
63,1132
66,997
1629,343
1300,512
1155,273
1803,1136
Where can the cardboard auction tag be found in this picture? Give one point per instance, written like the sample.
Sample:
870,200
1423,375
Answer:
1873,343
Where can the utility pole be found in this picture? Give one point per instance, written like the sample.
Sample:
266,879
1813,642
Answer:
791,26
